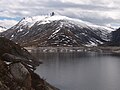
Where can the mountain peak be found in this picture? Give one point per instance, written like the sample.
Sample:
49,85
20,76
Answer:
44,19
52,14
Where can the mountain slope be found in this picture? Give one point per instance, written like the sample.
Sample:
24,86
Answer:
57,31
115,41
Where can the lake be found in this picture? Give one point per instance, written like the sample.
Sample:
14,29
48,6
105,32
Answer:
80,71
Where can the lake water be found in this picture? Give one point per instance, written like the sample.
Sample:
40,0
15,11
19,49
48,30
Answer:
80,71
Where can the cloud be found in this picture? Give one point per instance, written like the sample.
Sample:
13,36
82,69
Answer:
65,5
8,23
100,12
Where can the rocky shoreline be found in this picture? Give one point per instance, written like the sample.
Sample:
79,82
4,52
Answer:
17,67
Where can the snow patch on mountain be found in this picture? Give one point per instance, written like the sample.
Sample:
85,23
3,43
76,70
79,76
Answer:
44,19
2,29
30,21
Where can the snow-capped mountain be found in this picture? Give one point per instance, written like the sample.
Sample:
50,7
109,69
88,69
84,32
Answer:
57,30
2,29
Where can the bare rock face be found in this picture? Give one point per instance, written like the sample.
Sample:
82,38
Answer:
3,72
3,87
21,74
3,68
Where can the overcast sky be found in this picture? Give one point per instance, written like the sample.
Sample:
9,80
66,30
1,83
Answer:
101,12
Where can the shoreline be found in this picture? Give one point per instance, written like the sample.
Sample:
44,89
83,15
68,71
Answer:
99,49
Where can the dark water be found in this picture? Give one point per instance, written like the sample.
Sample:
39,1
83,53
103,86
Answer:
80,71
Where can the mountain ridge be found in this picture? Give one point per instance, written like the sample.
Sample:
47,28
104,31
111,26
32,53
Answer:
57,30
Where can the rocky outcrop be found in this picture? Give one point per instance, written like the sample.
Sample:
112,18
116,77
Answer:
21,74
16,69
8,46
12,58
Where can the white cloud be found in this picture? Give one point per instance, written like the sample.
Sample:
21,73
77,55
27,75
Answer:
107,11
8,23
112,14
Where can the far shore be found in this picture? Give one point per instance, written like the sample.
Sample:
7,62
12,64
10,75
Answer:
100,49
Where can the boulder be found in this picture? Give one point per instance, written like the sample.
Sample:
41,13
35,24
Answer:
9,47
12,58
21,74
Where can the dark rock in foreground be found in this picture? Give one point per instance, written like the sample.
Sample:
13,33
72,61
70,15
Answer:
7,46
15,69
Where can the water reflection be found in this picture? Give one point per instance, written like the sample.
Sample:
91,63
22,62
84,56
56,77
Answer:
80,71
